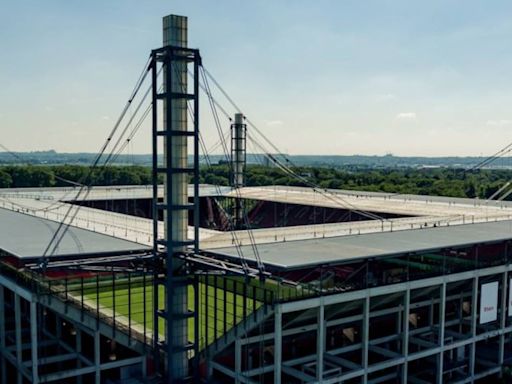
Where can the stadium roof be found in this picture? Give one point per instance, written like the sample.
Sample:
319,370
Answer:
112,192
310,252
27,236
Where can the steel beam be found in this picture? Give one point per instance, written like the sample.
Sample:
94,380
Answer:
365,336
2,333
238,361
17,325
320,343
34,342
474,315
17,289
97,357
405,335
87,370
389,289
53,359
278,357
442,319
345,320
503,315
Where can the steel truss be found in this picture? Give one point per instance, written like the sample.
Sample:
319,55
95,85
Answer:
171,275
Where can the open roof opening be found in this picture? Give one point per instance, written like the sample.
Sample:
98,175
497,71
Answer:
216,212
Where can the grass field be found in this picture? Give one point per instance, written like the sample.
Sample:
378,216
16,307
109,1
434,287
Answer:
132,306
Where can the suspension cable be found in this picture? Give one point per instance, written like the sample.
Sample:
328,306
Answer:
63,226
231,227
285,167
252,240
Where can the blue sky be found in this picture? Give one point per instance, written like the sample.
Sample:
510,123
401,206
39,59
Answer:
318,77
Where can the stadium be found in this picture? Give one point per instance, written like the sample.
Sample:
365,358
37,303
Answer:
178,282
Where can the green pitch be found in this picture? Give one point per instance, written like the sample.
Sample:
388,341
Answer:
136,304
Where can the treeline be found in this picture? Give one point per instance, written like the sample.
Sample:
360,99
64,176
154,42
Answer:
50,176
428,181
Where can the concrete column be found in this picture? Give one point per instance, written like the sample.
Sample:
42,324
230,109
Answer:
431,314
2,333
238,360
238,151
442,315
399,320
33,339
97,357
474,313
175,119
238,157
278,342
58,326
144,368
78,342
365,336
176,194
17,324
405,334
503,316
320,342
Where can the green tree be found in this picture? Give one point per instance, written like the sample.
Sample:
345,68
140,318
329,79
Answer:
5,180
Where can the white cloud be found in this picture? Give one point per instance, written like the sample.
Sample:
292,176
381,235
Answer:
498,123
273,123
105,117
406,116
